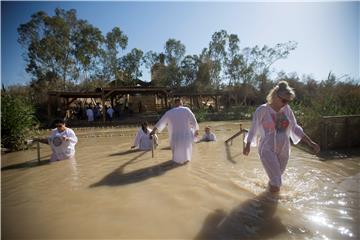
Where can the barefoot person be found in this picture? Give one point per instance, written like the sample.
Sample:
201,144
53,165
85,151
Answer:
142,140
62,141
182,127
275,123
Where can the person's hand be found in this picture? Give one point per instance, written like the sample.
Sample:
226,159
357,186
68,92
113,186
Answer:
151,134
246,150
65,138
316,147
196,133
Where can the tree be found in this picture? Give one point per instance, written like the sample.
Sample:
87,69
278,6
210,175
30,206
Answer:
217,54
88,51
234,61
156,62
17,120
59,46
174,53
189,69
203,81
115,40
130,65
263,58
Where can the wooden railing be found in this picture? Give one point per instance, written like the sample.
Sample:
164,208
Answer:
340,132
241,132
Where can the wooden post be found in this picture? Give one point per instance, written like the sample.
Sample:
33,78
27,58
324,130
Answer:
103,105
152,146
38,150
49,107
324,135
241,130
166,101
348,132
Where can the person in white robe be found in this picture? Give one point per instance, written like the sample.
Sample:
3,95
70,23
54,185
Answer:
208,135
110,112
275,123
90,114
142,140
182,128
62,141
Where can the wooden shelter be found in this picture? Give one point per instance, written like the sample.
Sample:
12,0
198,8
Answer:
63,99
153,99
195,99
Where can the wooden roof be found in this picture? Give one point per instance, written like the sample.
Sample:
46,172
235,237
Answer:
109,91
106,92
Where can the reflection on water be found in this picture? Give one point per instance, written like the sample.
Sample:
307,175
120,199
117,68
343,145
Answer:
254,218
110,191
119,177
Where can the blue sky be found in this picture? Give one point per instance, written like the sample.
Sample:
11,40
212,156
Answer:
327,32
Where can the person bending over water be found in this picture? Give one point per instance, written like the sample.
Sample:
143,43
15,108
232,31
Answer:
142,140
62,141
182,127
275,122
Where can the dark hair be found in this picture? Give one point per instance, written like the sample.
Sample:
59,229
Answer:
144,127
58,121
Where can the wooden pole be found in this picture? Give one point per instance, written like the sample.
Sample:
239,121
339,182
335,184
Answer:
242,131
152,146
103,105
38,150
243,142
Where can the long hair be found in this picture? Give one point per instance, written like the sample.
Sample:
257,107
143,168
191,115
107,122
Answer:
282,89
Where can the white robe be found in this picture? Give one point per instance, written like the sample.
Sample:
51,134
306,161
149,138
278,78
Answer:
110,112
143,141
274,129
90,114
208,137
62,149
181,124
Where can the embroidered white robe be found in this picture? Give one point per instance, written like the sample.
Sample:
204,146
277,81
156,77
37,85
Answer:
275,130
62,149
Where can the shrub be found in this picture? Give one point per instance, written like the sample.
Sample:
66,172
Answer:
200,115
17,121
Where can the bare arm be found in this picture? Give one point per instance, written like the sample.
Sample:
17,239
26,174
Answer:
153,132
246,150
311,143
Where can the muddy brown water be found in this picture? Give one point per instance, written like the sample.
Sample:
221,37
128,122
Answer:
109,191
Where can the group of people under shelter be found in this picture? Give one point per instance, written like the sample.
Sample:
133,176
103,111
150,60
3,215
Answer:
273,125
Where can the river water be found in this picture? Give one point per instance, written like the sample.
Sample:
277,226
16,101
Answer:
109,191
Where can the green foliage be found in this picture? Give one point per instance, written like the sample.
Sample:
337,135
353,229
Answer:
115,41
61,50
331,98
130,65
233,113
17,121
200,115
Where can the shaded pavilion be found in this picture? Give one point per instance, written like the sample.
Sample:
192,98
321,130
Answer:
196,98
63,99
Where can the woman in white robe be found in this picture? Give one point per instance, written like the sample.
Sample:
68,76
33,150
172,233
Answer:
182,128
275,123
142,140
62,141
